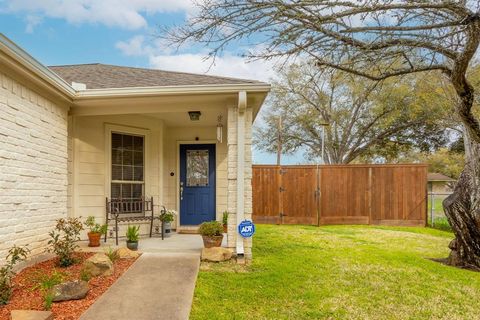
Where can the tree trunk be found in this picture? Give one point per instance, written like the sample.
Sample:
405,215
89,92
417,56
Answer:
462,209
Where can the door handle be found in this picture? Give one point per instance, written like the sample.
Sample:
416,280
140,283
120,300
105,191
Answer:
181,191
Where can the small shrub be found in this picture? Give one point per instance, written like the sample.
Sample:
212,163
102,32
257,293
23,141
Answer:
211,228
15,255
85,276
225,218
95,227
46,282
48,300
64,240
133,233
111,254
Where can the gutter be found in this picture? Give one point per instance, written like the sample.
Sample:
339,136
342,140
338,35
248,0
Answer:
170,90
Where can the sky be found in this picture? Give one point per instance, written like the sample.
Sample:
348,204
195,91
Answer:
120,32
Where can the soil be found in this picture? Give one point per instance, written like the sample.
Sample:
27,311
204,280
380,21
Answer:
27,296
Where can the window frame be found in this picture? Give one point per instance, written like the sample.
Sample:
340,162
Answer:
129,182
125,130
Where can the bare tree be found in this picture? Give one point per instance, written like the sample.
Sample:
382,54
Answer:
376,39
366,119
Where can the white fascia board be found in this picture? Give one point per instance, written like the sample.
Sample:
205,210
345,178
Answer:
170,90
20,55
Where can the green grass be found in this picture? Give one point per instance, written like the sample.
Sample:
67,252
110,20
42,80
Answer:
440,223
440,220
340,272
437,203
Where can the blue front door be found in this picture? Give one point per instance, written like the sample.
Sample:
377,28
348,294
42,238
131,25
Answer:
197,183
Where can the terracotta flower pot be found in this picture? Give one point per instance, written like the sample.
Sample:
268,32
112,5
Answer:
94,239
225,228
212,241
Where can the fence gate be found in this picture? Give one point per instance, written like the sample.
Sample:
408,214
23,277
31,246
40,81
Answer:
266,194
298,195
285,195
340,194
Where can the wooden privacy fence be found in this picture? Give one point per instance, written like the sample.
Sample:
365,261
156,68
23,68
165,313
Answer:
340,194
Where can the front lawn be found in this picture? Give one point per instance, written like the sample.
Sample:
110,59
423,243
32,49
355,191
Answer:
340,272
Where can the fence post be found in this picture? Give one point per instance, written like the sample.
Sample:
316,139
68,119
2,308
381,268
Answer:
319,194
369,199
432,204
280,194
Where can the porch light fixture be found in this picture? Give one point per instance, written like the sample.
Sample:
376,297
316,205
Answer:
194,115
219,129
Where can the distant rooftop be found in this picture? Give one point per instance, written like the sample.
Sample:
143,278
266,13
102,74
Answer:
104,76
438,177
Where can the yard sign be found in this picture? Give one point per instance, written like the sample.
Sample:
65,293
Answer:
246,228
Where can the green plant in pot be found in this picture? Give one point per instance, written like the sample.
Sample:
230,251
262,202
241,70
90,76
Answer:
133,232
212,234
225,221
96,231
167,218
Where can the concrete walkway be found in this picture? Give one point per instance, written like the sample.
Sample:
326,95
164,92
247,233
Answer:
176,243
159,285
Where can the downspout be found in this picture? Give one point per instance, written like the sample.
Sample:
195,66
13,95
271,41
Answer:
242,105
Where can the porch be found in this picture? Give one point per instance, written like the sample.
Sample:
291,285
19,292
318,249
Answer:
179,150
174,244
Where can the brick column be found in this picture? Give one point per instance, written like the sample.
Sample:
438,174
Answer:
232,177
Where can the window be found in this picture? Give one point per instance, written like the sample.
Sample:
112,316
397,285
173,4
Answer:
197,168
127,167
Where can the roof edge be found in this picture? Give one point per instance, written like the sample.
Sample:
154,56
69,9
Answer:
19,55
11,49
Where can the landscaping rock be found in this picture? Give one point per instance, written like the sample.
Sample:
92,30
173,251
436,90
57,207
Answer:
98,265
31,315
216,254
125,253
72,290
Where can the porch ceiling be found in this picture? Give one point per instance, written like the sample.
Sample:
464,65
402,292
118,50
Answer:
181,119
172,108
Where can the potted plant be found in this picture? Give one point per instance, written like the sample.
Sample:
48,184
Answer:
96,231
225,221
167,218
132,237
211,234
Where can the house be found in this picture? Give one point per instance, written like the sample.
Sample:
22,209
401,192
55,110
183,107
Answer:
72,137
439,183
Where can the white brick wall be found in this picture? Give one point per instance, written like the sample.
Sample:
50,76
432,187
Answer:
33,166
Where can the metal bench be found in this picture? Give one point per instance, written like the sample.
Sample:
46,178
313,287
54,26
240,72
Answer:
120,210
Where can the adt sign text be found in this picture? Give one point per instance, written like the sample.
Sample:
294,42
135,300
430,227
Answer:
246,228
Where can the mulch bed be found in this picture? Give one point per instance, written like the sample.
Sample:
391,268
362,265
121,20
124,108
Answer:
26,297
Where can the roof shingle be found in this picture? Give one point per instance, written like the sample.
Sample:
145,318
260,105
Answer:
103,76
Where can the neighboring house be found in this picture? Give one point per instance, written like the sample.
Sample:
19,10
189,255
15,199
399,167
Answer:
439,183
72,136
